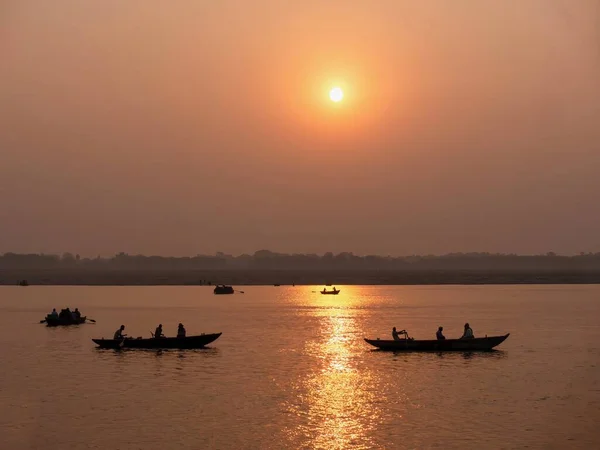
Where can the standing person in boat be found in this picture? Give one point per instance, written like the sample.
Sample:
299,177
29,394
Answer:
468,333
158,332
119,333
180,331
439,335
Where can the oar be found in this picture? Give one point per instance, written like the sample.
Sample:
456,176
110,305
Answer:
241,292
42,321
91,320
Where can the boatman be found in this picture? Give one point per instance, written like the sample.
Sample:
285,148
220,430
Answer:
468,333
180,331
439,333
396,334
119,333
158,332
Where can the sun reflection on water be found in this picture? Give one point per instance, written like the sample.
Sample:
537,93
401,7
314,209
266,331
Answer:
336,402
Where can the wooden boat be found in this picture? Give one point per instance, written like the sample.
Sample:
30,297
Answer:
189,342
442,345
23,283
334,292
63,321
222,289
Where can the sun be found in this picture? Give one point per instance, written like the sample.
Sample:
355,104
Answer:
336,94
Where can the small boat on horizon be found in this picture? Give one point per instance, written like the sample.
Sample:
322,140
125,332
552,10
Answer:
334,292
221,289
438,345
178,343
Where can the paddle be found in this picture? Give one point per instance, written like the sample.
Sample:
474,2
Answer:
91,320
42,321
241,292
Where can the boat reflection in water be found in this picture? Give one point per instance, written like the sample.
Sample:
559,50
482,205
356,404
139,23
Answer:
335,405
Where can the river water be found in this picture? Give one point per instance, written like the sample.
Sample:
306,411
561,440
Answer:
292,371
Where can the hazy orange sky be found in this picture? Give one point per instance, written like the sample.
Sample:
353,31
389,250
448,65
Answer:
198,126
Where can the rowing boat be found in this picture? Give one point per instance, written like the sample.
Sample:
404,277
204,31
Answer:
63,321
441,345
222,289
334,292
188,342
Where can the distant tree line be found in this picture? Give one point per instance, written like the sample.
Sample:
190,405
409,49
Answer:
265,259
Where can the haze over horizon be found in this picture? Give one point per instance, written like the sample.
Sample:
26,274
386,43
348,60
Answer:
198,127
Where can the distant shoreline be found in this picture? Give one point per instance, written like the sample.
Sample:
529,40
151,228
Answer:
255,277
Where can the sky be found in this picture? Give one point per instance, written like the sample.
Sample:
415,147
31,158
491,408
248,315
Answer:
191,127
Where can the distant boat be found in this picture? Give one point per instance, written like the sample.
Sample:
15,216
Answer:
23,283
334,292
63,321
441,345
276,285
222,289
188,342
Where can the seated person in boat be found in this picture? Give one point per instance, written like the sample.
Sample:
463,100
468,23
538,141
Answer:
180,331
158,332
53,314
119,333
65,314
439,335
396,334
76,314
468,333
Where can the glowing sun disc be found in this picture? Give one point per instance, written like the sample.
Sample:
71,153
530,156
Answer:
336,94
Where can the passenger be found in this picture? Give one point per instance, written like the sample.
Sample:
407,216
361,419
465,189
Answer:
158,332
119,333
396,334
180,331
439,334
468,333
53,314
76,314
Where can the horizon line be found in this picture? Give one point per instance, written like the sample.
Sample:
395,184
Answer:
265,252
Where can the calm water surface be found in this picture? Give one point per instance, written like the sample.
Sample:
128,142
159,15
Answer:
291,370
